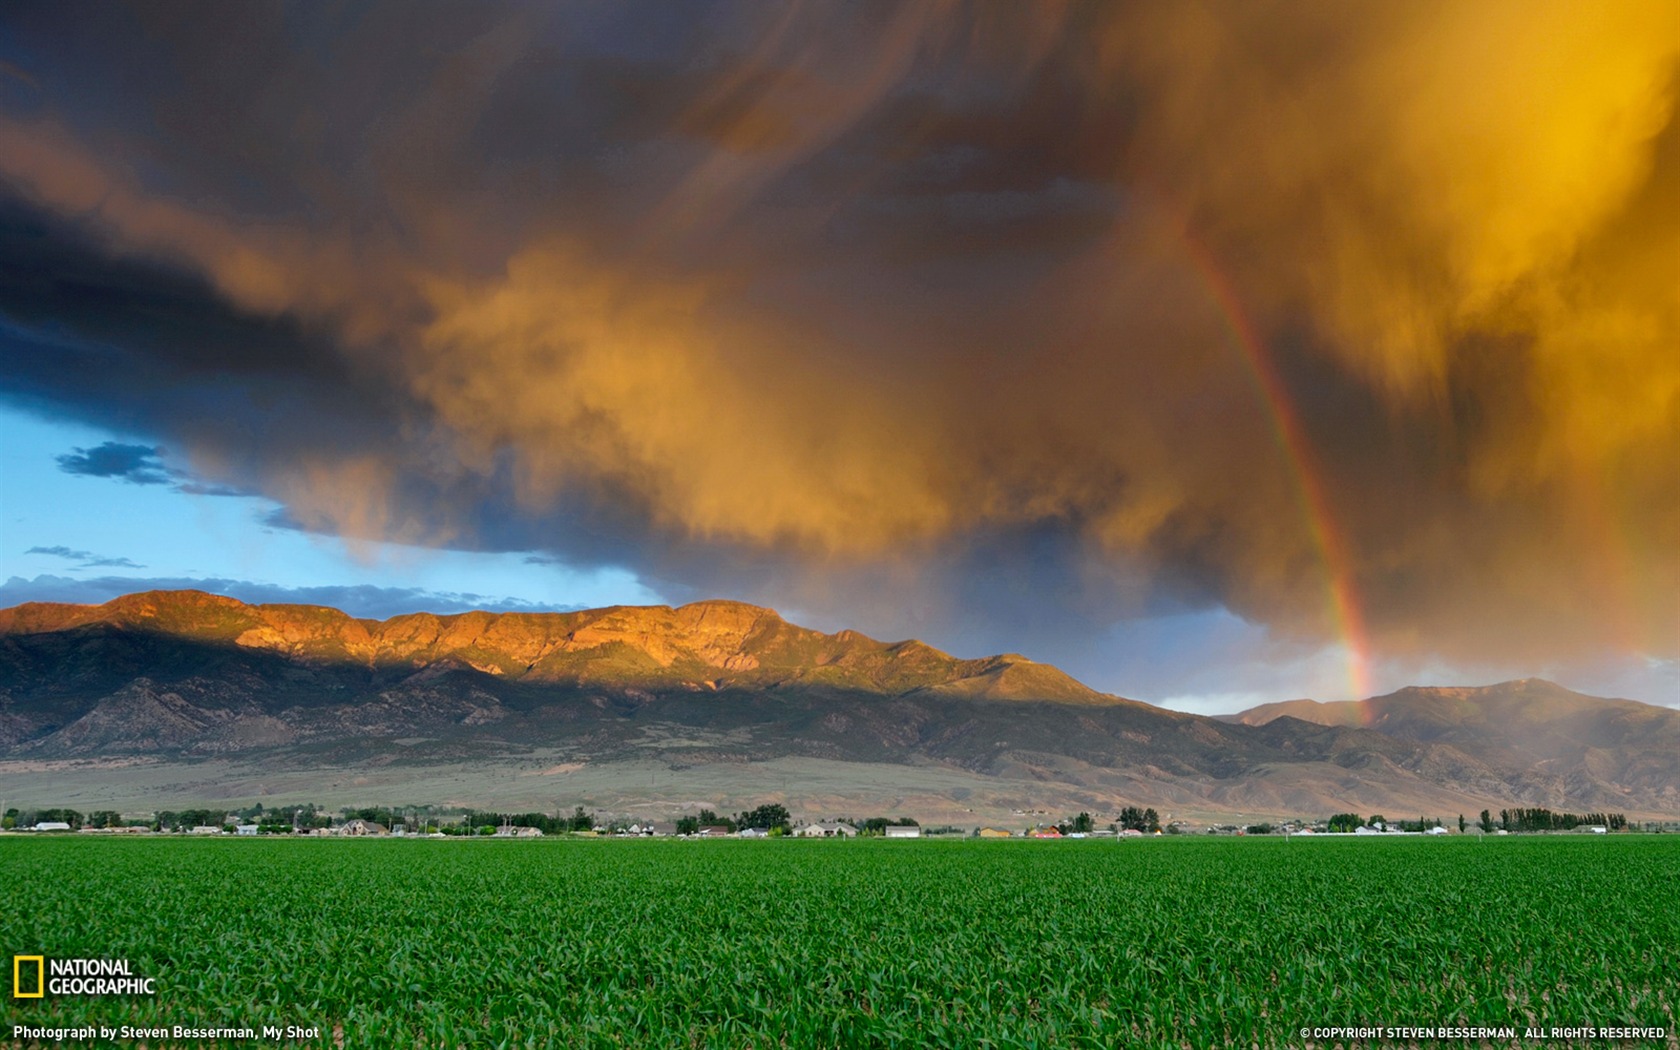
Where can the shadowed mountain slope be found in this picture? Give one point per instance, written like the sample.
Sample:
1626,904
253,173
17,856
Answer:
183,677
1629,747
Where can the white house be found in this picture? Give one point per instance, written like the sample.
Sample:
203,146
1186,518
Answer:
827,829
903,831
359,827
517,831
245,829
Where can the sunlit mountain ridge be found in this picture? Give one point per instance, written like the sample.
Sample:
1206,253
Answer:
312,696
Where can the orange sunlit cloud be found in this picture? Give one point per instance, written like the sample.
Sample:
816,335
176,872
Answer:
1360,322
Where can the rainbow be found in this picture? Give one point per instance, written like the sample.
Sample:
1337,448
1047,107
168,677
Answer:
1291,437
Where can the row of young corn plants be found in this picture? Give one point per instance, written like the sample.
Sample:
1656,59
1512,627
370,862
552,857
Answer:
874,944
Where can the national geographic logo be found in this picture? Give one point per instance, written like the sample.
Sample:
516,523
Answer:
36,976
29,964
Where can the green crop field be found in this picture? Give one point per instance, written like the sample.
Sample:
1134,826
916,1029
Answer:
1224,942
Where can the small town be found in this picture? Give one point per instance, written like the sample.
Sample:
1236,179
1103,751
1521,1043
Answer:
771,820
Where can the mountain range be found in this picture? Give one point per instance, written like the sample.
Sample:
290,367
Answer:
183,696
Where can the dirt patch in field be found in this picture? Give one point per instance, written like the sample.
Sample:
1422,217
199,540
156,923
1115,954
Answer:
551,771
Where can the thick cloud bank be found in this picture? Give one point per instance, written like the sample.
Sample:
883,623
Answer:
1358,320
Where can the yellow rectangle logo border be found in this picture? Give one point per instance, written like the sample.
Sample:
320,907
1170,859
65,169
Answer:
40,962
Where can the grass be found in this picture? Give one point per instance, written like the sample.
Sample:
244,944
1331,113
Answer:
726,944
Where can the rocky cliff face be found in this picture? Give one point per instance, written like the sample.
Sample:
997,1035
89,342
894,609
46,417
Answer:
706,645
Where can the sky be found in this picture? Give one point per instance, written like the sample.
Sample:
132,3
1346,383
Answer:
1217,353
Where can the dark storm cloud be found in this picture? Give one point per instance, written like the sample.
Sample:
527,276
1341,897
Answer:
135,464
84,559
983,321
125,343
138,465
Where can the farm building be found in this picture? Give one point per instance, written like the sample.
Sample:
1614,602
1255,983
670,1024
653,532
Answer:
753,833
245,829
713,831
903,831
827,829
1045,833
206,829
360,827
992,833
52,825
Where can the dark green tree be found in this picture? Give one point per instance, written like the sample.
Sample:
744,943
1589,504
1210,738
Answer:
769,816
708,818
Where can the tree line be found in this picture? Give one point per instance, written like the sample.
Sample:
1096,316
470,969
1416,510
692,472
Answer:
28,818
774,818
1546,820
1346,822
1508,820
